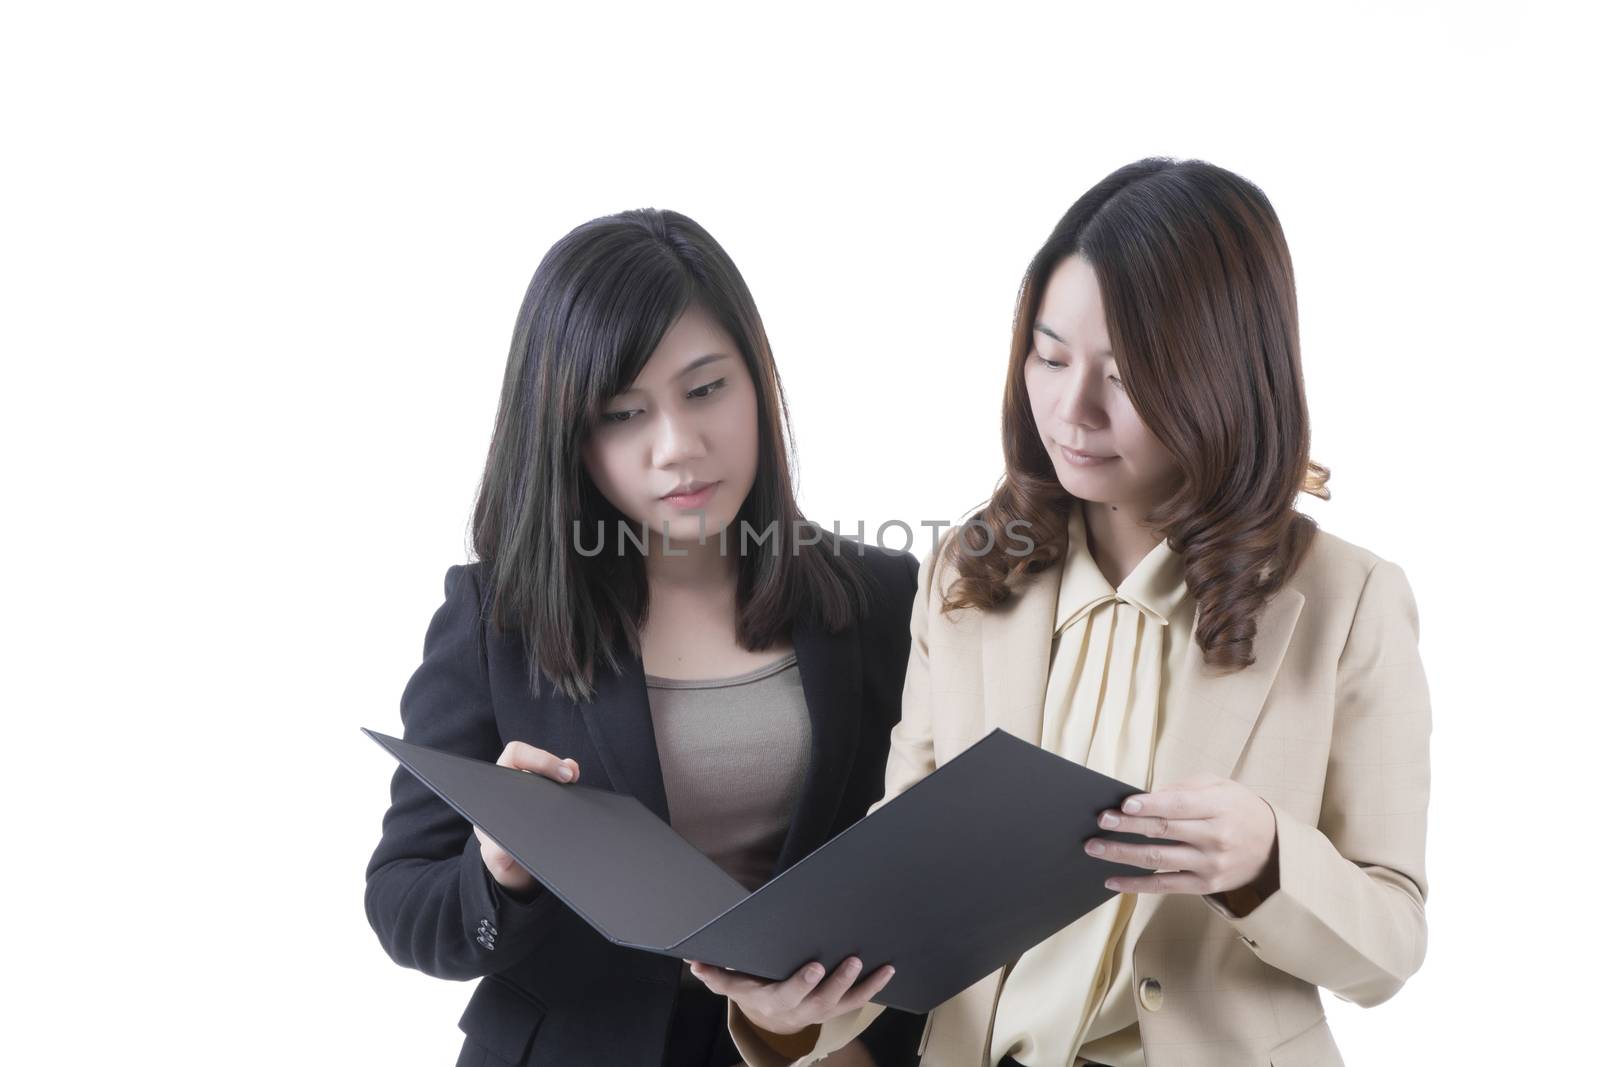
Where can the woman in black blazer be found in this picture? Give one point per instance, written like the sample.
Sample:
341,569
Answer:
636,516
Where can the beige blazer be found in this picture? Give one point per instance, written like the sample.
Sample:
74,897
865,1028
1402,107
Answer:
1330,726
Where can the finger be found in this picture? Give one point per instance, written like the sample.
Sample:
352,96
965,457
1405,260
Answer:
827,995
1200,803
740,984
787,995
1176,882
1193,831
546,764
710,978
1153,857
727,983
524,757
866,989
487,844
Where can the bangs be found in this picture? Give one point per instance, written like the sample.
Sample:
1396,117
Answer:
619,321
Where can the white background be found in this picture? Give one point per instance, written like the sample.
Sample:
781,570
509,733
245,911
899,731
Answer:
261,263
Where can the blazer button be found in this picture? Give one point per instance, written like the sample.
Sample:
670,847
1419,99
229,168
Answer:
1150,994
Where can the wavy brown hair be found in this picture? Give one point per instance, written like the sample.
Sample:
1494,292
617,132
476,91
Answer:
1200,310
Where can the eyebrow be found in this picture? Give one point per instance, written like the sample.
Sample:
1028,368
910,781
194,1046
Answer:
1048,332
709,357
694,365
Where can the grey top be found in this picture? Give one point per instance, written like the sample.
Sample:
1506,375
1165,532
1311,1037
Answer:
733,756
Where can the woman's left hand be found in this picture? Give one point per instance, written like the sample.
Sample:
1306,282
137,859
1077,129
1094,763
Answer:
1228,834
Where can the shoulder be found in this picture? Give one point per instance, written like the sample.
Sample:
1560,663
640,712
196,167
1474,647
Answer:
463,576
879,582
1332,562
464,585
886,564
892,576
1337,571
467,608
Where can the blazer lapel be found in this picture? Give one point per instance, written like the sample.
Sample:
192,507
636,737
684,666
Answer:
619,724
1212,712
830,675
1016,656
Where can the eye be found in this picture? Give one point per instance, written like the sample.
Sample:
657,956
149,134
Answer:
1050,364
706,390
614,417
1116,381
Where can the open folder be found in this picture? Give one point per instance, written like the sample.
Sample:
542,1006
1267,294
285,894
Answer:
949,881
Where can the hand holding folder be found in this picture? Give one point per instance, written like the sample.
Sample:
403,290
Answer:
950,880
504,868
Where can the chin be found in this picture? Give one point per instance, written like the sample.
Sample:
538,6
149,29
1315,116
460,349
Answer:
1085,485
1093,490
686,527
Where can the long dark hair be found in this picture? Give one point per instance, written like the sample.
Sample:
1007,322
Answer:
597,307
1200,309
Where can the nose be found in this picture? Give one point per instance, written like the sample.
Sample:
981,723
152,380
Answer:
678,440
1077,401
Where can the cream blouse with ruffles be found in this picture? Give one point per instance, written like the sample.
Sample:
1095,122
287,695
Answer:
1070,998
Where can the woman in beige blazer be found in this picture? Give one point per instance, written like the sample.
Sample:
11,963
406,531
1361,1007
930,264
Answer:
1140,595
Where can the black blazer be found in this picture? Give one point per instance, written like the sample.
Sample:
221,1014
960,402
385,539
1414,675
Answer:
555,991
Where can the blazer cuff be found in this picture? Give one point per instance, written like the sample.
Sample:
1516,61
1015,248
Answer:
494,920
1251,895
1318,924
1276,917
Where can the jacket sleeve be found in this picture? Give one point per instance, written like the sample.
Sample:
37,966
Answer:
429,897
910,760
1348,911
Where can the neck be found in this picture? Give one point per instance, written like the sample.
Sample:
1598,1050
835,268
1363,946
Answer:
690,566
1118,538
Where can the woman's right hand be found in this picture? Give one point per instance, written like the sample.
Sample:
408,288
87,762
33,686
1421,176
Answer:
801,1000
512,875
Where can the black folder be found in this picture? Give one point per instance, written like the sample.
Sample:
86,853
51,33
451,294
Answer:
951,880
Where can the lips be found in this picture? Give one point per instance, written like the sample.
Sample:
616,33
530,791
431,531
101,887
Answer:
686,490
691,496
1079,453
1074,458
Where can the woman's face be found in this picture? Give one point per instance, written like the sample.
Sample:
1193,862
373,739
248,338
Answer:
680,443
1101,449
